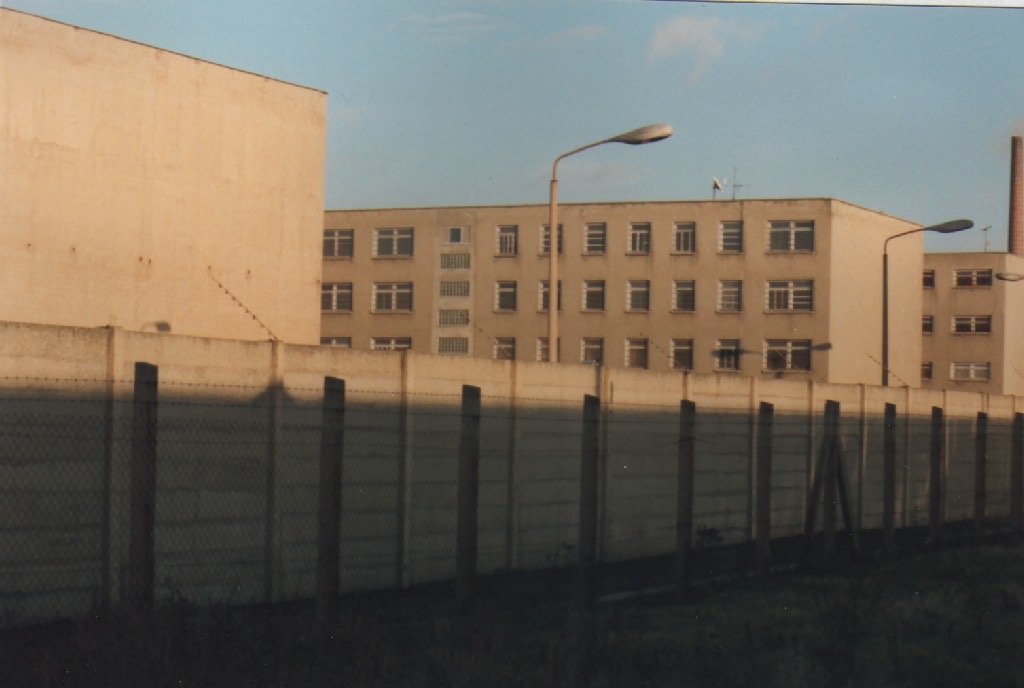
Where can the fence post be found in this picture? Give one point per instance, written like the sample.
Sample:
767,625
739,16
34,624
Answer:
830,475
1017,474
765,421
980,459
142,500
684,493
468,495
589,457
936,493
332,448
889,481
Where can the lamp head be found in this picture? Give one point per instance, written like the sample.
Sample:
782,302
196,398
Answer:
949,227
648,134
1009,276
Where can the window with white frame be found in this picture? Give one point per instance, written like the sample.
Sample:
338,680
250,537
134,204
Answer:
595,238
639,238
682,354
508,240
592,350
455,261
636,353
790,236
542,349
453,289
789,295
730,296
449,317
928,279
336,297
394,242
391,343
972,324
338,243
970,371
456,346
787,354
544,295
545,239
339,342
505,348
505,296
727,354
684,296
684,237
926,371
730,237
972,278
593,295
458,235
638,296
927,324
392,297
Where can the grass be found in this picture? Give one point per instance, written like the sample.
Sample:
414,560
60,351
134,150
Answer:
952,618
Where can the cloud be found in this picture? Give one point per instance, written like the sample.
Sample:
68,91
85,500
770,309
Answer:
454,27
702,39
586,32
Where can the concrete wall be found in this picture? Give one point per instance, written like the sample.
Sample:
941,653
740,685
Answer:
239,445
134,179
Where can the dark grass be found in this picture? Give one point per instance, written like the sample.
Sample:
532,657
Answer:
949,618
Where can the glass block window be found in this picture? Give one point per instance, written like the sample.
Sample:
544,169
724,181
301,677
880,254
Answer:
453,289
447,317
458,346
455,261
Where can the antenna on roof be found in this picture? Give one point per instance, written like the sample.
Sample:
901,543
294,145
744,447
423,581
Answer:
716,186
984,233
735,184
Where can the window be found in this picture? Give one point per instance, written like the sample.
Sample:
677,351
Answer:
544,296
458,235
636,353
542,349
682,354
504,296
789,295
336,296
787,354
391,343
730,296
727,354
639,238
392,296
395,242
340,342
684,237
594,239
592,350
684,296
453,289
970,371
508,240
545,239
593,295
455,261
928,281
972,278
505,348
927,324
458,346
338,243
638,296
447,317
730,237
972,324
789,236
926,371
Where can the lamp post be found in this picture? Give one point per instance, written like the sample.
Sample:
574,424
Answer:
943,228
648,134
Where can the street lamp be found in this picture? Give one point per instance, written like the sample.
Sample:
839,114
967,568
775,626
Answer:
944,228
1009,276
648,134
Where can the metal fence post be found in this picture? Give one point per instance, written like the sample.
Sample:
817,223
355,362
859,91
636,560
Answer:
830,475
765,420
1017,474
468,495
684,492
142,500
589,457
936,493
889,481
980,459
332,448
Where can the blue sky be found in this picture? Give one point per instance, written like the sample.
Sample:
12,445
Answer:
907,110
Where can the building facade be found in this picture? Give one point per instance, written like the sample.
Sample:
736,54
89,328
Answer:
154,191
752,287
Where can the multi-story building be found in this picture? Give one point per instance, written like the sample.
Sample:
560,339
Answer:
752,287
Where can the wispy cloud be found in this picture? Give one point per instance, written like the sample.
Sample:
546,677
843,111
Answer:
586,32
701,39
453,27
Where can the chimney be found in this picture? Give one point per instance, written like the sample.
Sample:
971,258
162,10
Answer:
1016,225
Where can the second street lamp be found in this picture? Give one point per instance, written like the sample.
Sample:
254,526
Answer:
944,228
648,134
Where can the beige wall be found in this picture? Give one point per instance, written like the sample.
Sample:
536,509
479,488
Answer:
132,175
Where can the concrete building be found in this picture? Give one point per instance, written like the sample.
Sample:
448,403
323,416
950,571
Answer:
150,190
755,287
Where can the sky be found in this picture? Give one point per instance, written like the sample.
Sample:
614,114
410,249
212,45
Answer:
902,109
